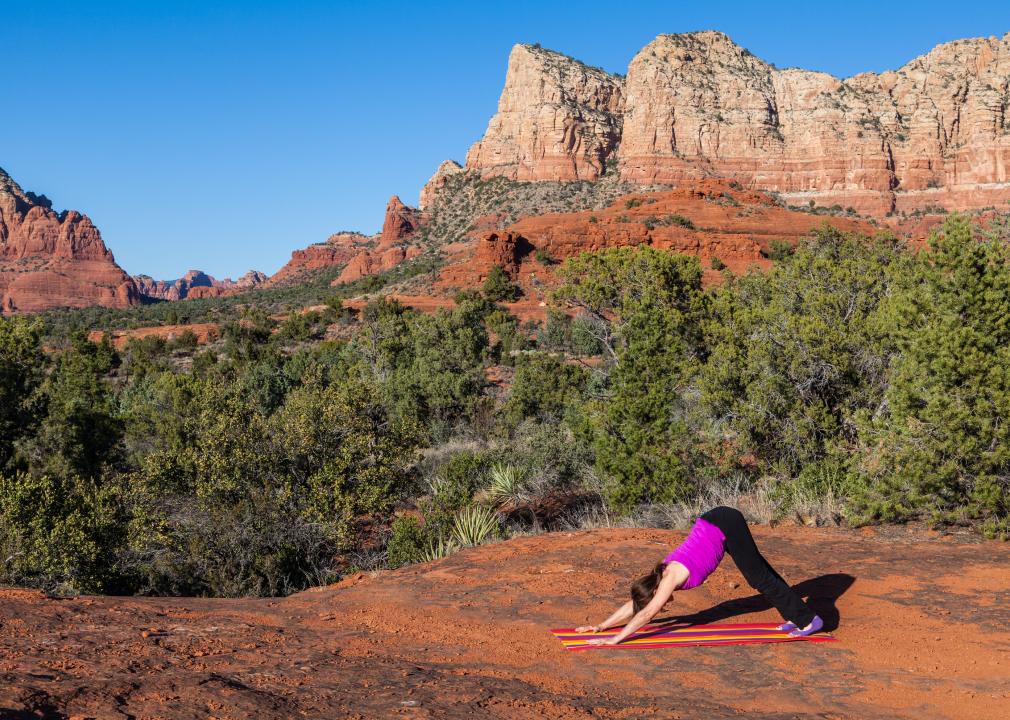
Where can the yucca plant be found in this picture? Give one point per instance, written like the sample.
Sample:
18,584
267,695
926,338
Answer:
438,486
439,549
475,524
507,487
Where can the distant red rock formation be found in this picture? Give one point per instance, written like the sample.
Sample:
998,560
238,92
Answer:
337,250
400,224
196,284
372,262
52,260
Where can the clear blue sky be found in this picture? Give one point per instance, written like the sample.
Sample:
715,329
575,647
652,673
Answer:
223,135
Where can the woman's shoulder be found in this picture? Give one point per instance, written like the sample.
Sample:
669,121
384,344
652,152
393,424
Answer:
678,571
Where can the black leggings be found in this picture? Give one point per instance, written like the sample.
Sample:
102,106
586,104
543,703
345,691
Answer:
759,574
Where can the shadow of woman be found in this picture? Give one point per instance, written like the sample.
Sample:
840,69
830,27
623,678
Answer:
821,593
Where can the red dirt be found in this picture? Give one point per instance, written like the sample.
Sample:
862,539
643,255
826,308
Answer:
524,309
204,332
923,634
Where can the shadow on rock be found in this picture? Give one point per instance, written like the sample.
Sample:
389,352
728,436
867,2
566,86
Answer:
820,592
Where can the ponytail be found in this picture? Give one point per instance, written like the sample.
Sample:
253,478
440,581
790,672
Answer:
644,589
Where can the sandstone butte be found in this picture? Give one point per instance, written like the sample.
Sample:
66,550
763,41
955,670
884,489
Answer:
935,132
50,259
920,620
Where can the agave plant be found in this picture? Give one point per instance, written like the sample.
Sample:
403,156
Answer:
440,549
475,524
507,486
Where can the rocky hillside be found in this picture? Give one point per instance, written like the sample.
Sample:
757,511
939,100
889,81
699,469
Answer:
51,260
935,132
920,623
722,224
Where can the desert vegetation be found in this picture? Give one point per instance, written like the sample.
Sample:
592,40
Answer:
854,382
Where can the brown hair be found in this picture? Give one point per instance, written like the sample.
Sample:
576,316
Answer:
644,589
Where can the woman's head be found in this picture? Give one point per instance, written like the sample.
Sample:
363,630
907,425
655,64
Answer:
644,589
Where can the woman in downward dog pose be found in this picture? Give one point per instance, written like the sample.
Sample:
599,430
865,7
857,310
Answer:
719,531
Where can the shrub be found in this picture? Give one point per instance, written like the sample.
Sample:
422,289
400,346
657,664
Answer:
408,542
438,549
717,264
681,221
544,257
543,388
507,485
64,534
937,444
498,286
22,368
779,250
795,351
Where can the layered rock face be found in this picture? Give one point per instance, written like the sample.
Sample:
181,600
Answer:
934,132
557,119
51,260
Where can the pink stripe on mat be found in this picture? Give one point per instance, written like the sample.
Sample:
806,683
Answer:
660,636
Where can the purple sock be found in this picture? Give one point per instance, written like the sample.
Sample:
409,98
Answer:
815,626
786,627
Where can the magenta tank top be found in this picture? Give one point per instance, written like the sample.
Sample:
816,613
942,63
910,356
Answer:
701,552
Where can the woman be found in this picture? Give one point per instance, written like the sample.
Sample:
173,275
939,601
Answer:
720,530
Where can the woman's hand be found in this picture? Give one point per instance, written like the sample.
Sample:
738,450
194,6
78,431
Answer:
612,640
588,629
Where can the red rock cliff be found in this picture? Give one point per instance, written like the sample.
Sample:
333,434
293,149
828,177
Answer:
557,119
934,132
50,260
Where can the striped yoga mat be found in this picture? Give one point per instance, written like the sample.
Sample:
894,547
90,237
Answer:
660,636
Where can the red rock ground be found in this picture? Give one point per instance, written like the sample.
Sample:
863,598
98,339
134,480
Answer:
922,622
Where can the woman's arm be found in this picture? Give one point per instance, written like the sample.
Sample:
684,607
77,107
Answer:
670,582
621,615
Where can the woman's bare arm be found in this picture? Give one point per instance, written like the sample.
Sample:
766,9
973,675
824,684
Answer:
673,578
620,616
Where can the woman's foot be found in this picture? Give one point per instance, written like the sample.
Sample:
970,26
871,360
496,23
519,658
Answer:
786,627
816,625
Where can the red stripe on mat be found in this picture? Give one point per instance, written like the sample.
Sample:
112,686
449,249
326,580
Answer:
741,634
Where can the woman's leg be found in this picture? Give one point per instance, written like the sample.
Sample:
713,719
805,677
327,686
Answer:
759,574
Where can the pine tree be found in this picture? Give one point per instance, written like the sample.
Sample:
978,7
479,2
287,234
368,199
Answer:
940,445
647,307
